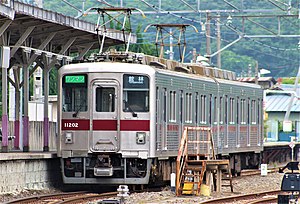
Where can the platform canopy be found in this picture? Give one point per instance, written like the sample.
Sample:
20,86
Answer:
32,37
27,25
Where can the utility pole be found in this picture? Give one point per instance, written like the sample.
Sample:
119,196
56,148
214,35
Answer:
171,54
218,43
249,70
256,72
208,35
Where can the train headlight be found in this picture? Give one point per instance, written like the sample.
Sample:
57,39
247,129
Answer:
68,138
140,137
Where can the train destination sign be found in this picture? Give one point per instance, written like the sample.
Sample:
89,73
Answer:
135,81
75,79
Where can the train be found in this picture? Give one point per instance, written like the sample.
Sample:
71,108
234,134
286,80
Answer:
121,121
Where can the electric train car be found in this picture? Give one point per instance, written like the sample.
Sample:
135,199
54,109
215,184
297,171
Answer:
121,123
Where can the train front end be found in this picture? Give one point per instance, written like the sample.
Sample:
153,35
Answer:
105,122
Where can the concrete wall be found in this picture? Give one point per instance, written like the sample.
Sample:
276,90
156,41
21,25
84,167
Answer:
17,175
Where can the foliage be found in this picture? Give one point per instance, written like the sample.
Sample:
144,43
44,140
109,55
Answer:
290,80
265,129
53,82
141,46
263,50
233,62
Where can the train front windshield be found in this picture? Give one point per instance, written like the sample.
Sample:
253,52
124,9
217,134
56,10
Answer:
74,96
135,93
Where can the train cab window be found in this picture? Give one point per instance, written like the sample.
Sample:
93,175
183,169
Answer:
135,93
105,99
74,93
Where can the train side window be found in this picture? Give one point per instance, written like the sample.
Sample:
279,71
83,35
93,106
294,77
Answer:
226,110
188,108
165,105
105,99
237,111
242,111
253,112
258,111
203,109
172,106
196,108
210,113
181,107
221,110
232,111
215,110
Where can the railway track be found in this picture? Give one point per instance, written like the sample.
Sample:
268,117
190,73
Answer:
252,172
262,197
64,198
85,197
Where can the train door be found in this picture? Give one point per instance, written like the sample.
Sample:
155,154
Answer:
105,117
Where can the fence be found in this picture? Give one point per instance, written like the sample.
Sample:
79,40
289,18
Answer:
36,136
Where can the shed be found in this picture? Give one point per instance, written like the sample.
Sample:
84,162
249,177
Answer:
276,106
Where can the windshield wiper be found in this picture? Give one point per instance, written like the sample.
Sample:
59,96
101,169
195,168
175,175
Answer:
130,109
79,108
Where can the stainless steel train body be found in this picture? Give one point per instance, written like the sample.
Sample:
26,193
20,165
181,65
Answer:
121,123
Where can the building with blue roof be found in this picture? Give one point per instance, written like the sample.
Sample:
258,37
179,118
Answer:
277,103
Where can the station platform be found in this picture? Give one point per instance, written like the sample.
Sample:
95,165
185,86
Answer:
27,155
279,143
21,171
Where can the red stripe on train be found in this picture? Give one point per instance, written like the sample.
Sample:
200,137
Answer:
105,125
135,125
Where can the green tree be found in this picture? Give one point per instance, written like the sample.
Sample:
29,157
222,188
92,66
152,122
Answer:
234,62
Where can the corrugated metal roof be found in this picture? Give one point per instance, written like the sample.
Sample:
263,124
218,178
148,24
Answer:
252,79
280,103
290,87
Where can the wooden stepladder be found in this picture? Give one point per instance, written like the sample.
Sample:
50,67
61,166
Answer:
196,159
195,149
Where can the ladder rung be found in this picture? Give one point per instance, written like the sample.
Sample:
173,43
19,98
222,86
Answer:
194,168
195,154
195,161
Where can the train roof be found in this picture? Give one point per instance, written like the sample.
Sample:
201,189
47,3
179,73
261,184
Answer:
120,67
207,78
117,67
145,64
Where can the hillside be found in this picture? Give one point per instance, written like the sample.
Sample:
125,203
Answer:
279,55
